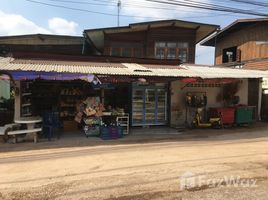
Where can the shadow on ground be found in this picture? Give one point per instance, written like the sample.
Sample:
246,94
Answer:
146,136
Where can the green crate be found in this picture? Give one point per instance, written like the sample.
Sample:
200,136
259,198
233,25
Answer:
244,115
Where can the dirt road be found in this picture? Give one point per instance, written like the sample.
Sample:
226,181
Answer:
138,170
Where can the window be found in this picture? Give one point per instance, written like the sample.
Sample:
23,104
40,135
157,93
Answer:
126,49
183,45
183,55
229,55
171,53
160,53
172,50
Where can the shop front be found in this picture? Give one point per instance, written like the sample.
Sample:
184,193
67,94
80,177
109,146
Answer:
109,98
76,102
225,99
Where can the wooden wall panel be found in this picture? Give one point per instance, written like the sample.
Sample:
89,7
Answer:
245,39
58,49
150,36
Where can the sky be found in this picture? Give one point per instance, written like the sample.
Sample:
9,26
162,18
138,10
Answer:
28,16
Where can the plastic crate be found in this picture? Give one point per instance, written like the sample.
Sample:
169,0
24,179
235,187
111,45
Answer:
92,131
111,132
227,114
245,114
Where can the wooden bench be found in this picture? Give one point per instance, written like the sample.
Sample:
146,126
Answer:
25,131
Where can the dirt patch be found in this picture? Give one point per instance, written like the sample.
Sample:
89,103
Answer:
163,195
198,188
141,170
47,192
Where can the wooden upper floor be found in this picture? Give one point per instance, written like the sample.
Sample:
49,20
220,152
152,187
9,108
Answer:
243,40
159,43
166,40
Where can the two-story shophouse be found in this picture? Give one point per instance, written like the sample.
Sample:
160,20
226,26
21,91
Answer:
134,63
145,70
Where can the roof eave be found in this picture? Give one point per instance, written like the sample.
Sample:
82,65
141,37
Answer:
211,40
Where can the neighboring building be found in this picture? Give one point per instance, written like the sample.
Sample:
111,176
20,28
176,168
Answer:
41,44
243,40
244,44
166,40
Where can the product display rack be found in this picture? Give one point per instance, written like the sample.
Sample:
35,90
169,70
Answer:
68,100
26,99
123,121
45,97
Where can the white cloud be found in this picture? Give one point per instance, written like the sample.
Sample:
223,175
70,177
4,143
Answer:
62,26
13,24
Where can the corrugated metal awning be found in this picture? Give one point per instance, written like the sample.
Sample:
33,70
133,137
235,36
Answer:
207,72
128,69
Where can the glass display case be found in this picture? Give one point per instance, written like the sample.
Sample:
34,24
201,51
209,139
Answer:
149,105
161,106
137,106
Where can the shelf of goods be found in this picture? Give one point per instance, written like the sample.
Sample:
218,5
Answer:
26,99
69,97
149,105
123,121
68,101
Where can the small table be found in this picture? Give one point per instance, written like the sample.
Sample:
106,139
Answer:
30,122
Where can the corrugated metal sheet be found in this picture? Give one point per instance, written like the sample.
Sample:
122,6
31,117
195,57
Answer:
129,69
86,69
66,63
257,65
224,72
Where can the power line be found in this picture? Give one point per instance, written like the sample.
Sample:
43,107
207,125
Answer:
84,10
114,4
85,3
208,7
256,3
110,14
140,5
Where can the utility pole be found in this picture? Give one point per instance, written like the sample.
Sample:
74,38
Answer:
118,12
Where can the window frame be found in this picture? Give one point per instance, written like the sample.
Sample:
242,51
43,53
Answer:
226,58
166,48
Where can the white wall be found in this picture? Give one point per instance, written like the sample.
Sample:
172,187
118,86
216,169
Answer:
178,108
243,92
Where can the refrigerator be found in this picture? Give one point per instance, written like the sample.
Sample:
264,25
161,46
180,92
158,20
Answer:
149,105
